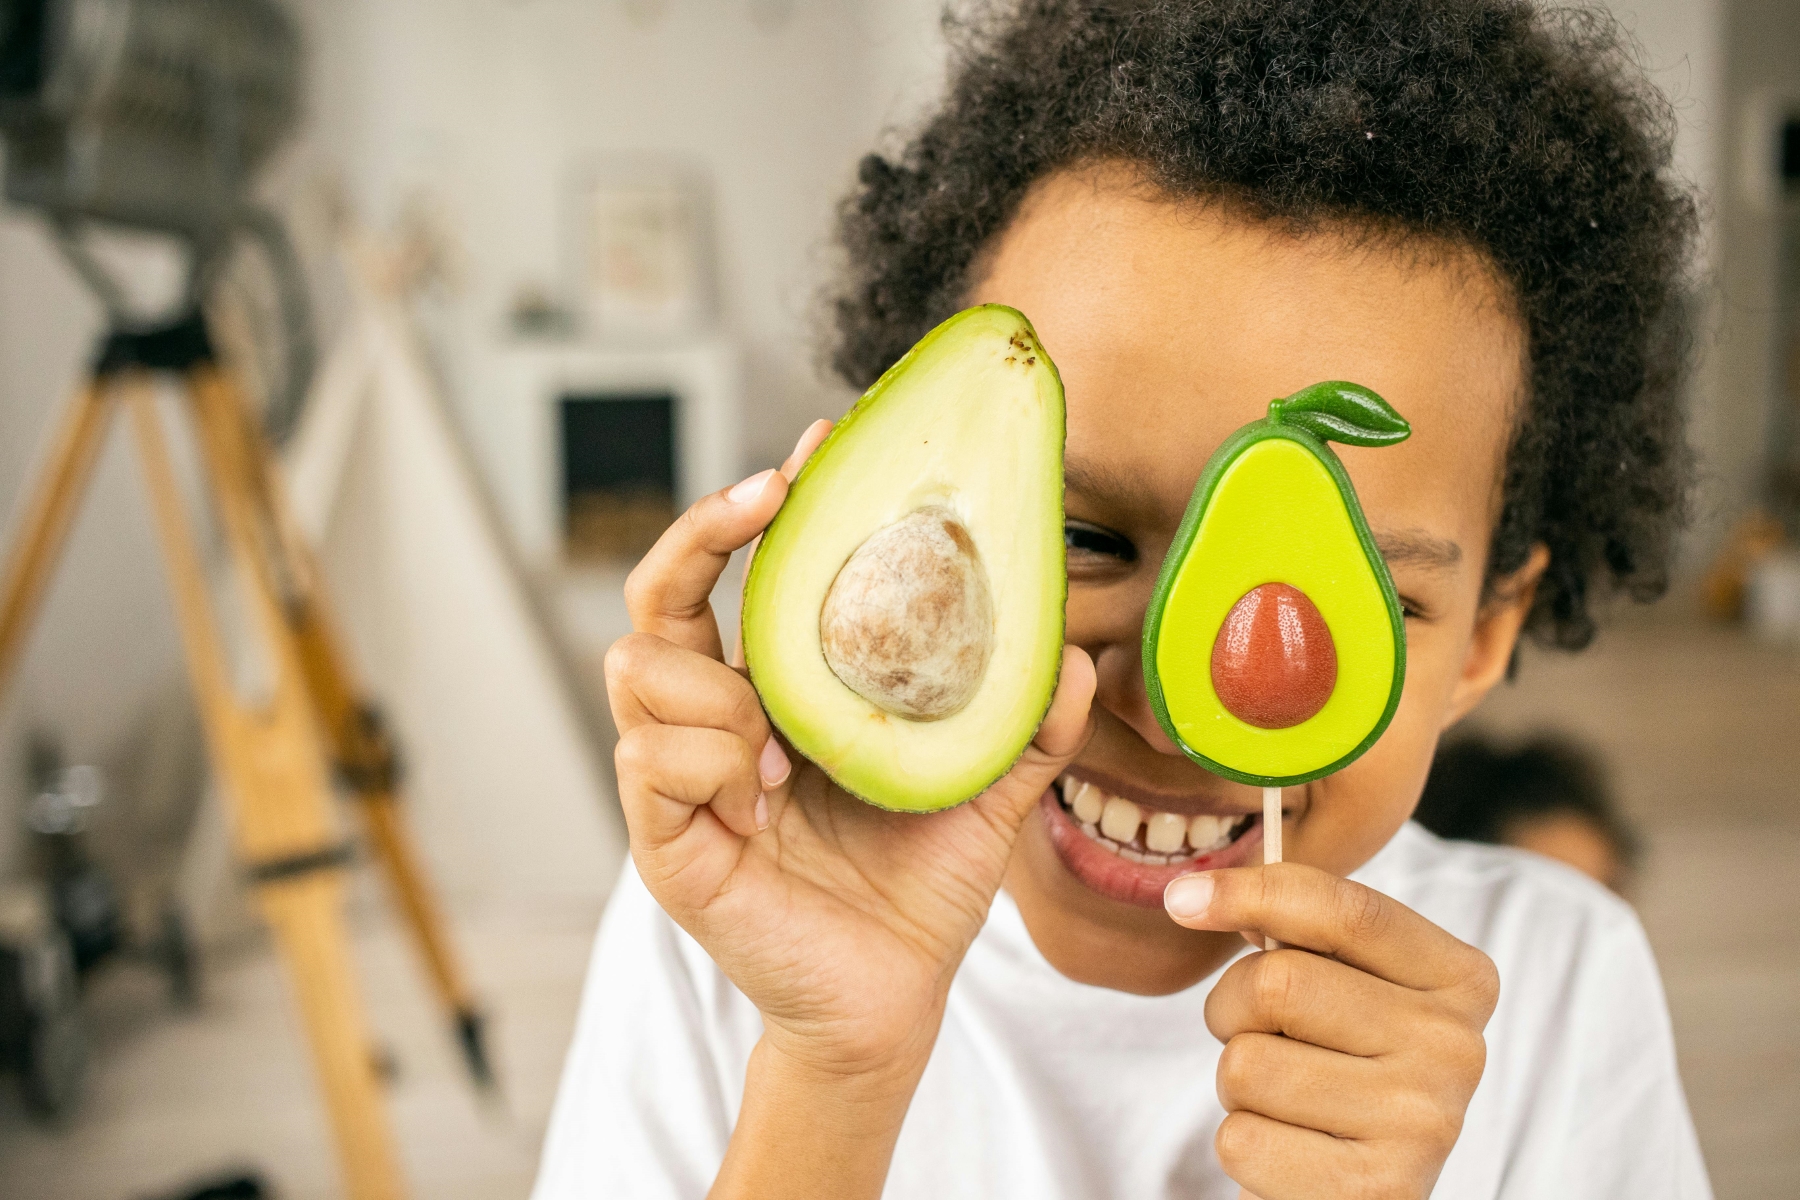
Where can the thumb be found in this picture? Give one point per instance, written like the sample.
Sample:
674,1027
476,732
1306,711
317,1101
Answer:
1065,731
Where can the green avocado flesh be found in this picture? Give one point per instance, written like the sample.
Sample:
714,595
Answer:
903,614
1273,515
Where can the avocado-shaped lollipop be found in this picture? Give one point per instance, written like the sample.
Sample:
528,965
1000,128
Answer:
1274,647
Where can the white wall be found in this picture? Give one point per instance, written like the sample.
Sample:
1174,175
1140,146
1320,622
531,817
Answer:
1682,45
1763,53
489,108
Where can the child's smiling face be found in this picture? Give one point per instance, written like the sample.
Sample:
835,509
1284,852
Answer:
1173,323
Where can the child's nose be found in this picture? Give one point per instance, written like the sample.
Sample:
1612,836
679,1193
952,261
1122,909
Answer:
1121,692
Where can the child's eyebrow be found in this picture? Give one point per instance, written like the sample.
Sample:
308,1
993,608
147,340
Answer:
1103,484
1416,548
1119,491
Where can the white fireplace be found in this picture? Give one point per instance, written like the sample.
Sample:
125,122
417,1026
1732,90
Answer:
592,437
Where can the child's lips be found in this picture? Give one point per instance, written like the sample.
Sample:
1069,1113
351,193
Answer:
1087,828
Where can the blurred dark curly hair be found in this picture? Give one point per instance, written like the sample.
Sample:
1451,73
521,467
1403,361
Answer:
1529,135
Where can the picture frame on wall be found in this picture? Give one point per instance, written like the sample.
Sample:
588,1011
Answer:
643,251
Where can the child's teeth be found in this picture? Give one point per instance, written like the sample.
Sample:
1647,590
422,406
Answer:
1117,824
1119,820
1087,803
1164,832
1207,832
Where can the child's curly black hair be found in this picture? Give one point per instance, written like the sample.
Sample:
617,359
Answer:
1528,135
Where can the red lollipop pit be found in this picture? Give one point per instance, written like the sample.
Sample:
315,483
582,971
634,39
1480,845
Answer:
1274,663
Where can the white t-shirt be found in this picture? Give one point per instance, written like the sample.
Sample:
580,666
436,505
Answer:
1045,1088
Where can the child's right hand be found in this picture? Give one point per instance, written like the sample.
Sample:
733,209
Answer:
842,923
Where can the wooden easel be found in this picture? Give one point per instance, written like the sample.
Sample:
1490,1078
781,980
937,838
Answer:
273,754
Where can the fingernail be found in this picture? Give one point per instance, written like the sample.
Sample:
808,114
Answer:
1189,896
750,489
808,433
762,813
773,764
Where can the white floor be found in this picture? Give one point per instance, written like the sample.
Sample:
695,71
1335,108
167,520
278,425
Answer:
174,1096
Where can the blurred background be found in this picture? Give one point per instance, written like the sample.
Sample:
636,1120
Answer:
560,262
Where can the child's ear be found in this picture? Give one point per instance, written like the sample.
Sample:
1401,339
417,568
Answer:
1497,626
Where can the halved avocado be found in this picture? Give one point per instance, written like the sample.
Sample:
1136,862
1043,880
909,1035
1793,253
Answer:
903,614
1274,648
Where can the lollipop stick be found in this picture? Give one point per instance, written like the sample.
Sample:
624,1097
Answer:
1271,825
1271,841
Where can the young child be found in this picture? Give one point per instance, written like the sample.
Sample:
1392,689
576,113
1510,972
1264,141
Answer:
1548,795
1461,204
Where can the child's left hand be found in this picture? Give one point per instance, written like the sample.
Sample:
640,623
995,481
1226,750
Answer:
1346,1070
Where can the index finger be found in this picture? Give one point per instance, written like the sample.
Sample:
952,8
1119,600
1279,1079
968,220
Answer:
1309,908
669,592
809,441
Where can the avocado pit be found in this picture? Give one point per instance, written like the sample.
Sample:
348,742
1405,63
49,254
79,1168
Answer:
908,624
1274,663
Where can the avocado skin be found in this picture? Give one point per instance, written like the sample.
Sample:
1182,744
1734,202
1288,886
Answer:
761,566
1368,422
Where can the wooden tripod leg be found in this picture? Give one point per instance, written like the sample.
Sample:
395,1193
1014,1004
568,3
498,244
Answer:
44,524
271,768
406,877
306,915
360,745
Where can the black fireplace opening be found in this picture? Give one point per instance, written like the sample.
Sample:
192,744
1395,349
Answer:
618,471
